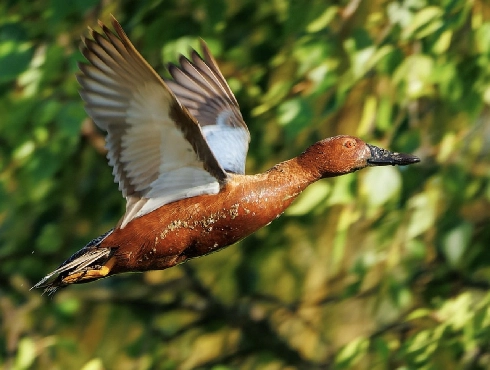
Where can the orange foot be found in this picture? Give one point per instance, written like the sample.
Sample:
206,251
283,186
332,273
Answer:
79,276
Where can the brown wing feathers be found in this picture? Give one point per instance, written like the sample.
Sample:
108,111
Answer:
116,69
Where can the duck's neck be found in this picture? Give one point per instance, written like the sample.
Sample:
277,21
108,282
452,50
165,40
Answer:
319,161
270,193
291,177
303,170
293,174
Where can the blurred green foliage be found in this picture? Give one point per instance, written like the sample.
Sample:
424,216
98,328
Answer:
387,268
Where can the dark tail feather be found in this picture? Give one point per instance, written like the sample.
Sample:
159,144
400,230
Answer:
82,260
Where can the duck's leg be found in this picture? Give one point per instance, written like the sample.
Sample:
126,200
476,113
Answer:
91,274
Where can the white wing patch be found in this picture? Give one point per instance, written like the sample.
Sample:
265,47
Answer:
201,88
228,144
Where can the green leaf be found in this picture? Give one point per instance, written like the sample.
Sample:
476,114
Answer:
415,76
425,22
14,58
456,242
351,353
294,115
323,20
311,197
423,211
94,364
482,38
26,354
380,185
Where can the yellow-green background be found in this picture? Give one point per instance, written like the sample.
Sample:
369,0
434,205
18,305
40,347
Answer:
387,268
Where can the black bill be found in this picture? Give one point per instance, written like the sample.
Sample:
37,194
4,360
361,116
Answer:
383,157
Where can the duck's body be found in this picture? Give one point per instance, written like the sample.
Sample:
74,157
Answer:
186,229
178,151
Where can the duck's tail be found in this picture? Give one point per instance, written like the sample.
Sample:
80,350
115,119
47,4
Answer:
89,263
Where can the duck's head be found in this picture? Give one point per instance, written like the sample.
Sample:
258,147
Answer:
343,154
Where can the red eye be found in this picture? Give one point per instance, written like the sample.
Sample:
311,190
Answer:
350,144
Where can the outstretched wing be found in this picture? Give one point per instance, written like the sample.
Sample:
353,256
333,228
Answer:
202,89
156,148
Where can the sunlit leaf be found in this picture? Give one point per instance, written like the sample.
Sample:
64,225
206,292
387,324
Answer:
456,242
379,186
94,364
15,51
368,115
416,75
482,38
310,198
342,192
423,23
323,20
352,352
418,313
457,311
26,354
424,209
443,43
24,150
295,115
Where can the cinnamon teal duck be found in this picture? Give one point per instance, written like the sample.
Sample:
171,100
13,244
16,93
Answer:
177,150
